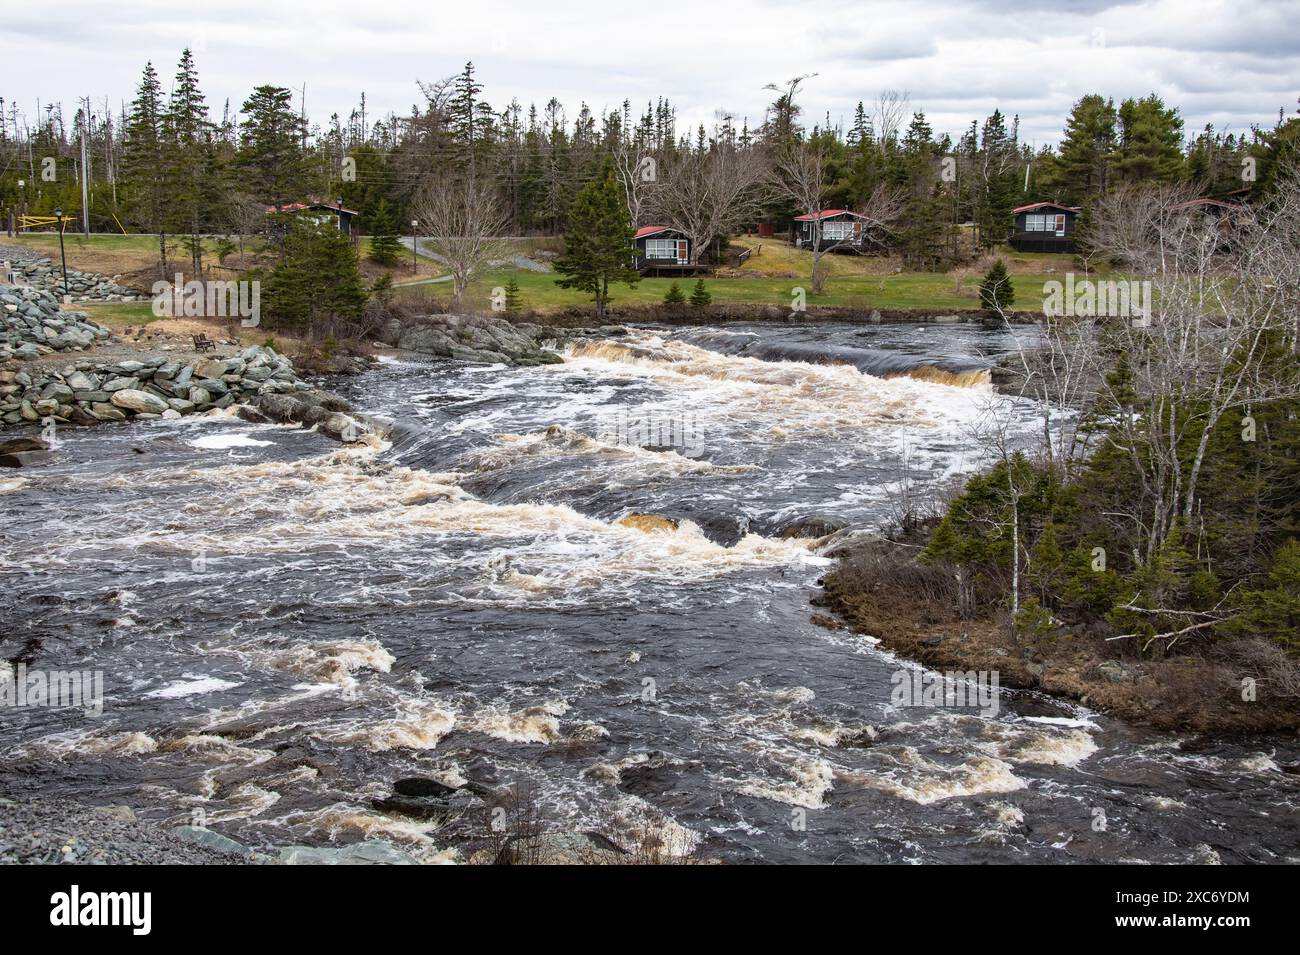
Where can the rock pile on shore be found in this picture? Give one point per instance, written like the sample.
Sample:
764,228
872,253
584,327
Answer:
472,338
88,392
41,272
31,325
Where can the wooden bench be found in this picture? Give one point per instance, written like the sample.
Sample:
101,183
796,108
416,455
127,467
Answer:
203,343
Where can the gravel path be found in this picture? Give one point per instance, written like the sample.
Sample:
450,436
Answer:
58,831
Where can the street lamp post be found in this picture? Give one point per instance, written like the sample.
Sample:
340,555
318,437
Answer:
415,242
58,214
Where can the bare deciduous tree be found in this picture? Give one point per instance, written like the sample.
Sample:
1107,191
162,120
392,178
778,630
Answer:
709,194
462,218
799,175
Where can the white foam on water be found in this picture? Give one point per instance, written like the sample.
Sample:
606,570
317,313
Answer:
807,783
220,442
908,775
415,724
533,724
192,687
78,744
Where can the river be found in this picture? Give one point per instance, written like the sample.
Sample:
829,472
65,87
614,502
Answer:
512,590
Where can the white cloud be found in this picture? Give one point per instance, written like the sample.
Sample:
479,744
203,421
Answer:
1217,61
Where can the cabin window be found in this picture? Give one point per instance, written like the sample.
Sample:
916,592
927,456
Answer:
837,231
662,248
1050,222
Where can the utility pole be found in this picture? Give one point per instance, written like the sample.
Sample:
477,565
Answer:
85,169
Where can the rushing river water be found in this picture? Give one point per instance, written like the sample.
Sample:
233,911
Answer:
494,595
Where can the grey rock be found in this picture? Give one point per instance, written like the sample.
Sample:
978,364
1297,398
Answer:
371,852
139,401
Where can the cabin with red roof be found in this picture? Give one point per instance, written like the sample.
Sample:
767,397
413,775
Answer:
840,229
1044,227
318,212
663,250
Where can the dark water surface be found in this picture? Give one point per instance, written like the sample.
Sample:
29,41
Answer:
494,595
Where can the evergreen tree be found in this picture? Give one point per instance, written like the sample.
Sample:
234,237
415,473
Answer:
700,296
1150,141
598,242
996,291
270,147
514,301
317,283
192,165
144,179
1086,151
674,295
385,249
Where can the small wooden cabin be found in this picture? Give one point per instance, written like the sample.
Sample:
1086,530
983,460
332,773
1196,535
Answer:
1044,227
320,213
661,250
840,229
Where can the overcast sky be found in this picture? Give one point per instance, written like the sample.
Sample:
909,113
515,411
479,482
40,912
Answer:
1232,64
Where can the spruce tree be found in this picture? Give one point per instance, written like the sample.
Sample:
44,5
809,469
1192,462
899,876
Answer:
700,296
1150,141
192,165
144,180
1086,153
996,291
270,147
385,248
317,283
674,295
598,242
514,301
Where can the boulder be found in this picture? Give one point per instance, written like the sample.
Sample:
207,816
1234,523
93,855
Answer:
139,401
371,852
561,848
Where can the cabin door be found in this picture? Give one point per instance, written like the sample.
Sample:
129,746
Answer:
1060,224
682,256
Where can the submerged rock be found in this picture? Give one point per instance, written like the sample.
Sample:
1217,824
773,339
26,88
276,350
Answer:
372,852
561,848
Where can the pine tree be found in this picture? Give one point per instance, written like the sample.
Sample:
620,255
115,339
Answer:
144,180
514,301
1086,152
270,146
317,283
674,295
191,162
700,296
1150,141
996,291
385,247
598,241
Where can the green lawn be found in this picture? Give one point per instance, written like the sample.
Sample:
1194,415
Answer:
905,290
117,315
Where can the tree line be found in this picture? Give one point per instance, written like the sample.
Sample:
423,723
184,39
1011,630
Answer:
167,164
